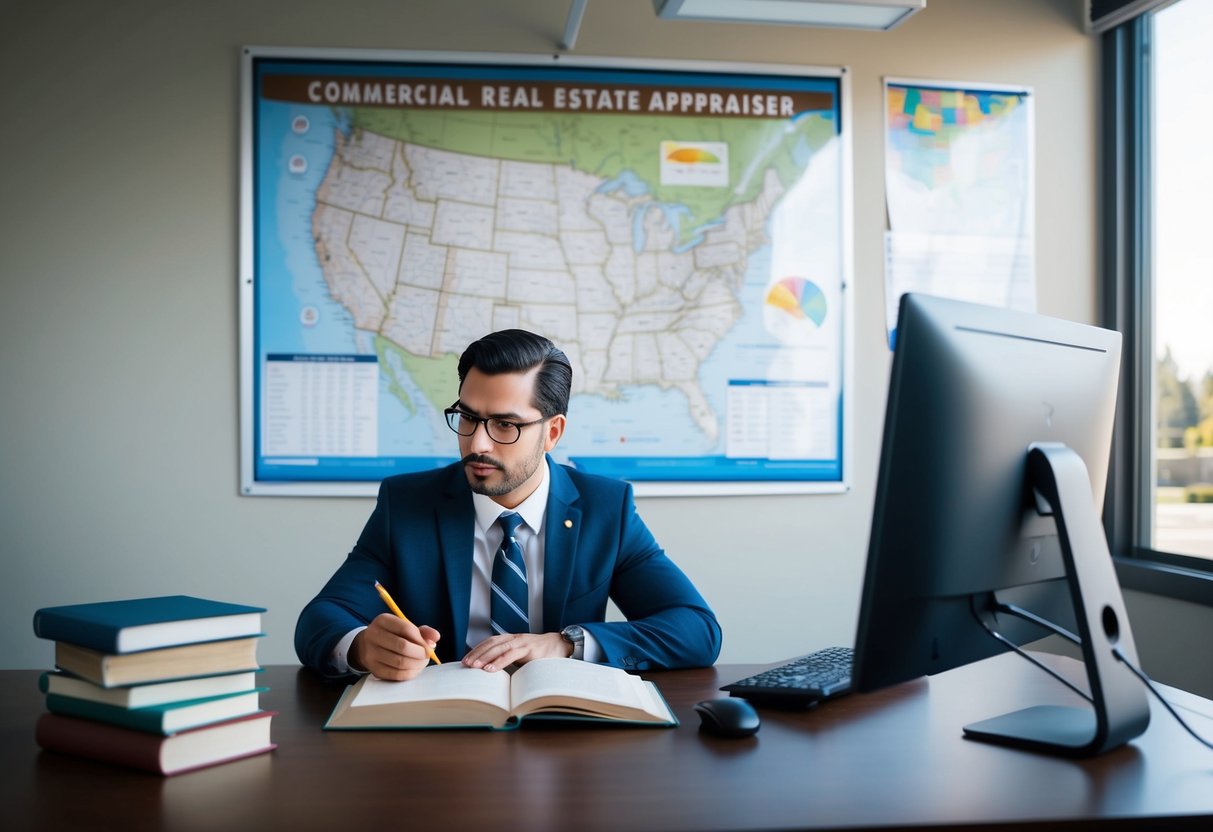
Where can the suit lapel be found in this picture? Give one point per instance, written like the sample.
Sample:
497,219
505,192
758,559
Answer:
455,519
562,520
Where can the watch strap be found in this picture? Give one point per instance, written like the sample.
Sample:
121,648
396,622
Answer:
575,636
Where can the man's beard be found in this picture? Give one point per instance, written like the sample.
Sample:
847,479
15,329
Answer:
512,479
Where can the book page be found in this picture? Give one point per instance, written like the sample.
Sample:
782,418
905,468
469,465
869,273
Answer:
563,679
436,683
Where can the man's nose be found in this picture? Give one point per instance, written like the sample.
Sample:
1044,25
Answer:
479,442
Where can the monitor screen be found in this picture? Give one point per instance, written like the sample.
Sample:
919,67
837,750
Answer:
957,524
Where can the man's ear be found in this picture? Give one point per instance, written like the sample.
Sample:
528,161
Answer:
555,430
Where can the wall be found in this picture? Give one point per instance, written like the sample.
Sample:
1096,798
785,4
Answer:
118,327
1172,639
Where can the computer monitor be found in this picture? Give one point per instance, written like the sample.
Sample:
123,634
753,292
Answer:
995,454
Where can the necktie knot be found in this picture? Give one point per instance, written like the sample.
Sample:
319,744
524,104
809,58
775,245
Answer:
509,522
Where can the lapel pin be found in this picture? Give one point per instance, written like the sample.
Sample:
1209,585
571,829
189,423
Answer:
568,524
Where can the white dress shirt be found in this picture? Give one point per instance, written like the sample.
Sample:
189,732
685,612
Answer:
487,538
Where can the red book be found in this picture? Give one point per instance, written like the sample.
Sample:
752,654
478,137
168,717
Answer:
196,748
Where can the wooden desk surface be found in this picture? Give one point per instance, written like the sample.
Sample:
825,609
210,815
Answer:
893,758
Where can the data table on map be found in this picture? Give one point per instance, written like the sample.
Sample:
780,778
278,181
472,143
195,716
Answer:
321,405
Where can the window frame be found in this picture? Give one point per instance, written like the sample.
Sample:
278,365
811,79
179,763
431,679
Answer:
1126,304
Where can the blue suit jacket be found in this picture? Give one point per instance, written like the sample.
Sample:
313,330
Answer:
418,543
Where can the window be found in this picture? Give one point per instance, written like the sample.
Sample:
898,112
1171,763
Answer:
1182,276
1157,281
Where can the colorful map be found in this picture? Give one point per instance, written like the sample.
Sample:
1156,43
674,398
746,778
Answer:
959,186
638,231
958,158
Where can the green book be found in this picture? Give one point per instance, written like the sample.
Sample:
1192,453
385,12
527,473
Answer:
165,719
455,696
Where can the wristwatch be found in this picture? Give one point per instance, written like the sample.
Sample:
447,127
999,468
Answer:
575,636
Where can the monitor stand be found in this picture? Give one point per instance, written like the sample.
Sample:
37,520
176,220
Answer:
1120,710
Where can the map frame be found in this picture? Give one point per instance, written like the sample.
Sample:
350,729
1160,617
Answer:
252,384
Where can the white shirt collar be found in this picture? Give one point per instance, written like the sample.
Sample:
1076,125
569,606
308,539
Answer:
531,509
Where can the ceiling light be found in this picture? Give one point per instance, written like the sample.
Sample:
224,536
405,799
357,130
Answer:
850,14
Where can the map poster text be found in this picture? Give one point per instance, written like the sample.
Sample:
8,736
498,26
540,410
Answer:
438,94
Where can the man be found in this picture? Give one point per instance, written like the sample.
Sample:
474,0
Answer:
442,543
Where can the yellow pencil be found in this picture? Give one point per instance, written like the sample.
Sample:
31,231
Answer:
391,605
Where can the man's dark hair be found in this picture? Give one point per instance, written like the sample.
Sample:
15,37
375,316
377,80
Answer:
519,351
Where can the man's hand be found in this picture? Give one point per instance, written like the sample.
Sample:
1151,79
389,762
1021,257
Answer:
499,652
391,648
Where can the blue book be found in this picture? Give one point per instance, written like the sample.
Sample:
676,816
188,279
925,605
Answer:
164,719
147,623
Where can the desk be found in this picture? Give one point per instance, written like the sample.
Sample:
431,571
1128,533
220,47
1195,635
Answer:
888,759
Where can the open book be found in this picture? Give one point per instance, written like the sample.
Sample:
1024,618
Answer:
455,696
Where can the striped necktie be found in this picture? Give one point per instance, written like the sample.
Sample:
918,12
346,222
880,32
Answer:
508,610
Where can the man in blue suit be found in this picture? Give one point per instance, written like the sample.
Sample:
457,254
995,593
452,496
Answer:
432,537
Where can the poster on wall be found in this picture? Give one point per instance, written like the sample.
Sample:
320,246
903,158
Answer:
680,230
959,177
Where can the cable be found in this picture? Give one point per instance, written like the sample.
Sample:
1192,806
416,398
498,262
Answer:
1145,680
1035,619
1026,615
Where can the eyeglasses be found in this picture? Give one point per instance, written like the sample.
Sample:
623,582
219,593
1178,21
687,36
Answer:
501,431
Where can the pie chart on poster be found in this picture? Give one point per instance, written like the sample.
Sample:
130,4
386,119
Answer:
798,297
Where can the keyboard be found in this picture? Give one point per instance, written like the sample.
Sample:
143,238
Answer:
818,676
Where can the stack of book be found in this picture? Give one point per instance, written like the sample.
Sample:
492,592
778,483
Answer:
163,684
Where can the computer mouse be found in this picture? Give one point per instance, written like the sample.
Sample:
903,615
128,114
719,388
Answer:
729,717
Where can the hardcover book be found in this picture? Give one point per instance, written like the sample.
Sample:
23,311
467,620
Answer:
108,670
186,751
144,696
455,696
161,719
147,623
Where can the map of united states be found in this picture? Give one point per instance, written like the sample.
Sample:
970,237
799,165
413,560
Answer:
681,234
431,248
